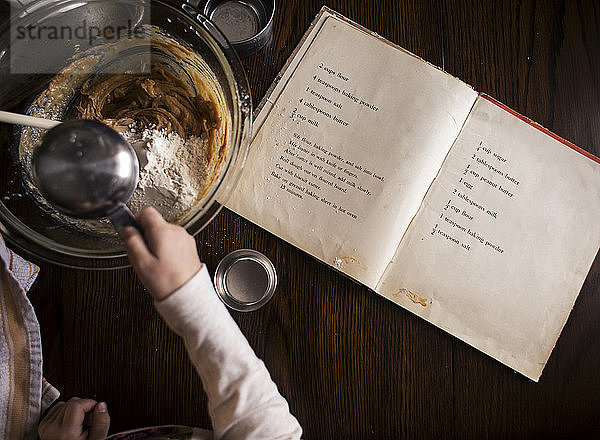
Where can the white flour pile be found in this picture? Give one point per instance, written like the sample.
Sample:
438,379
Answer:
173,172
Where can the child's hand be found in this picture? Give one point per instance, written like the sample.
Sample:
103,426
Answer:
165,258
74,420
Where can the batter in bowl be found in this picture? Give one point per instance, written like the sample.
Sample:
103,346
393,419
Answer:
171,113
172,131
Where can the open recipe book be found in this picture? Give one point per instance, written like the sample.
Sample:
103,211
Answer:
440,199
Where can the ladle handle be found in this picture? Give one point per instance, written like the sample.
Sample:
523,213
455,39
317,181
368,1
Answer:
123,217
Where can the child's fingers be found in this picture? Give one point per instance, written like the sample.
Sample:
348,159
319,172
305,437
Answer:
138,252
100,422
75,411
150,219
154,227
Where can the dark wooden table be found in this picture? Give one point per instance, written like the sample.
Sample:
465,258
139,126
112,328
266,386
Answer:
350,363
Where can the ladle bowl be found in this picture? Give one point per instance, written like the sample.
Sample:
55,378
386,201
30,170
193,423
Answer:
87,170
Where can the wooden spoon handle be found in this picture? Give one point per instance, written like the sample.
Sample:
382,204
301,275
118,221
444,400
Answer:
16,118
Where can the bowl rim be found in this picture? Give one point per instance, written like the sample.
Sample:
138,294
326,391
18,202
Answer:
35,245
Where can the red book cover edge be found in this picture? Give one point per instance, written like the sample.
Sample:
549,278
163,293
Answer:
541,128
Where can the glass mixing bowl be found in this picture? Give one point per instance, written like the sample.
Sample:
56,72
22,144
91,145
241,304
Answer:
40,42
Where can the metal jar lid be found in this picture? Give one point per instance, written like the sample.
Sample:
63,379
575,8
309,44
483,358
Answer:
247,24
245,280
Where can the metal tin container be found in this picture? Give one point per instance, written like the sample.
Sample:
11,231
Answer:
247,24
245,280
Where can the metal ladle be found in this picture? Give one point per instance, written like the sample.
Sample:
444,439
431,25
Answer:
84,168
87,170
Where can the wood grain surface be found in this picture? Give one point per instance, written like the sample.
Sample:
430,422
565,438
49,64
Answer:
350,363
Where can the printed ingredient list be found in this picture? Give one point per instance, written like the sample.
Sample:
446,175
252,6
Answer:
318,171
472,207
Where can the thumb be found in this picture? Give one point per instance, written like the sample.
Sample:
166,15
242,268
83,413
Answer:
100,422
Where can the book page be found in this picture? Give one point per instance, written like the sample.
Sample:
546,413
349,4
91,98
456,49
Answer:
349,147
503,241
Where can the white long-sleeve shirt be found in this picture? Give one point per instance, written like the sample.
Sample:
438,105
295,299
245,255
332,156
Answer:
243,400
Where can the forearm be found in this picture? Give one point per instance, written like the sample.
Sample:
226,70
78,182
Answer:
243,400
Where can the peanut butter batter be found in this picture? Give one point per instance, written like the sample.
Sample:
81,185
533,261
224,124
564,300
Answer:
176,100
159,100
